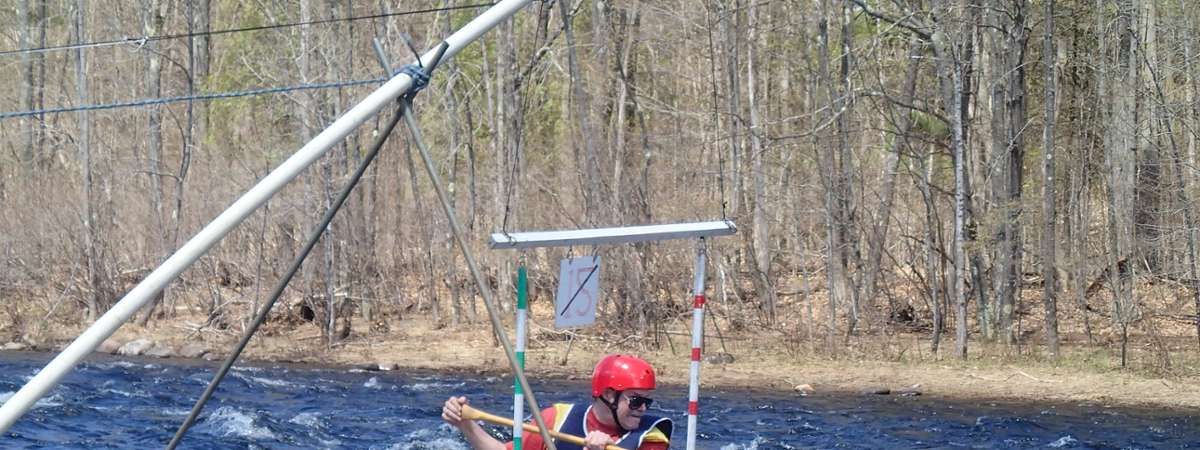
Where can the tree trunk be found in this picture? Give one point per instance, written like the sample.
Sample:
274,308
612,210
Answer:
185,152
731,30
1185,201
759,233
591,186
954,54
933,271
1009,38
1187,37
1121,148
958,147
849,251
39,91
1148,187
459,137
626,39
901,119
306,104
1049,213
835,263
1078,210
26,153
83,139
152,22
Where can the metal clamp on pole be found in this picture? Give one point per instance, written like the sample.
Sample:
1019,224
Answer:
420,74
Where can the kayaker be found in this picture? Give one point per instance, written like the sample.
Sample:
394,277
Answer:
621,385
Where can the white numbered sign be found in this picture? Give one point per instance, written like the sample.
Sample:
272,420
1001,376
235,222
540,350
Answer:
578,286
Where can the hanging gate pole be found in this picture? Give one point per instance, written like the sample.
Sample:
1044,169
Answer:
198,245
522,318
697,343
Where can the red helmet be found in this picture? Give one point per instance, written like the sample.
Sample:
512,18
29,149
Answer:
621,372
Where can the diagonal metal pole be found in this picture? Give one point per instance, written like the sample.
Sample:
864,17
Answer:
484,291
197,246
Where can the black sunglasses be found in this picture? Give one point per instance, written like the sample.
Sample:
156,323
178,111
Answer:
637,401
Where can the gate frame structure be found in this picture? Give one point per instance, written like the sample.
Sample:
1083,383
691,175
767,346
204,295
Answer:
625,235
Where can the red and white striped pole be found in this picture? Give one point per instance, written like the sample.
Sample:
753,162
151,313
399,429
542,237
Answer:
697,342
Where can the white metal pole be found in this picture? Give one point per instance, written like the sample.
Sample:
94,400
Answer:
697,343
49,376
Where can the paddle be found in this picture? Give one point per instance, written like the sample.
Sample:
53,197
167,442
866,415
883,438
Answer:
470,413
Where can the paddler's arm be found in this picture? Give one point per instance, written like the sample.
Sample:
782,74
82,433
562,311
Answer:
471,431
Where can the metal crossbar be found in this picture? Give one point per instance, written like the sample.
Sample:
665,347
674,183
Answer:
615,235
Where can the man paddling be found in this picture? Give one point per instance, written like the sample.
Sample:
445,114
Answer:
621,385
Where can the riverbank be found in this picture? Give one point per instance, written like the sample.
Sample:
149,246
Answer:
895,365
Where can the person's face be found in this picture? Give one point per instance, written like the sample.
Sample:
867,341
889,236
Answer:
631,405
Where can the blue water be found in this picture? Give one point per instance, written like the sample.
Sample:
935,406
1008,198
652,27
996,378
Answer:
139,403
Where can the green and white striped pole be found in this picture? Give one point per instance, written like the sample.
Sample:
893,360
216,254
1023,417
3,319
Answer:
518,395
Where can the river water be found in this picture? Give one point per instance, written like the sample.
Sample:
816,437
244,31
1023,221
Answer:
113,402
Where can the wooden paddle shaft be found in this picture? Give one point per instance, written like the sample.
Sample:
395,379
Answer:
470,413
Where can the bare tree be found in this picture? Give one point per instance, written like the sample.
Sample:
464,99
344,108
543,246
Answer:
584,142
1008,37
152,23
759,232
954,51
899,117
90,233
1121,148
836,265
27,86
1049,212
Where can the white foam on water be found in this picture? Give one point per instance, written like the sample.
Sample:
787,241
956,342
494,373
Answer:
434,444
434,386
119,392
273,382
432,439
44,402
1062,442
232,422
200,378
372,383
264,381
308,419
115,364
176,412
752,445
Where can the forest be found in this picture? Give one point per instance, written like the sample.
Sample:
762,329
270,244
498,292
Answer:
1009,173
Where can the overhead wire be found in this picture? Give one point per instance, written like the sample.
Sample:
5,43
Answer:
139,41
184,98
142,40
